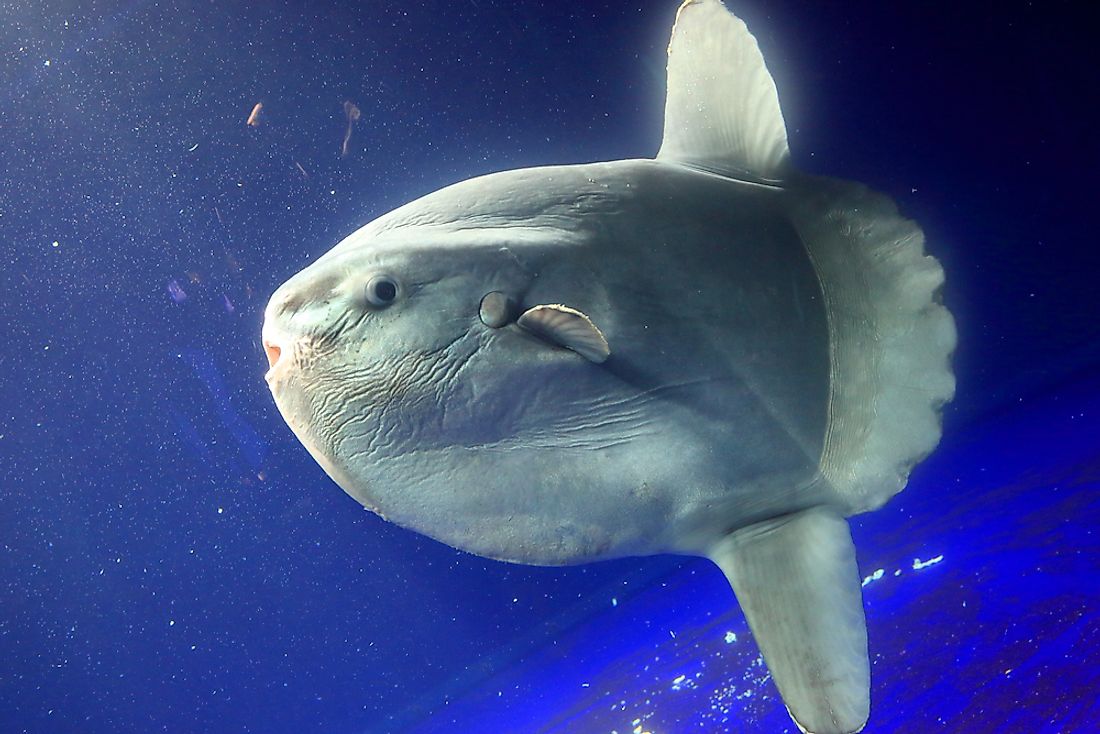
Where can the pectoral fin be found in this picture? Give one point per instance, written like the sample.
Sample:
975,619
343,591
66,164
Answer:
566,327
797,582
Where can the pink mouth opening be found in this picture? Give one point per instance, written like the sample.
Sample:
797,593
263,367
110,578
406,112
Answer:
273,353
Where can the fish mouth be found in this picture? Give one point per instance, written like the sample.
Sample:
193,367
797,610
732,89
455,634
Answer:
277,362
273,352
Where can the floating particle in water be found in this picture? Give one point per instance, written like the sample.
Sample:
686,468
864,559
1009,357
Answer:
873,577
682,682
254,116
176,292
918,564
353,114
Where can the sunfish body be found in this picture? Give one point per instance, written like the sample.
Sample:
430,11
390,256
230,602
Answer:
703,353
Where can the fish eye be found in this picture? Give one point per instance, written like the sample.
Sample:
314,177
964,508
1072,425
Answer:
381,290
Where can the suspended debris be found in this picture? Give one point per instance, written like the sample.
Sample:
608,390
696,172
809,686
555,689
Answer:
352,113
254,117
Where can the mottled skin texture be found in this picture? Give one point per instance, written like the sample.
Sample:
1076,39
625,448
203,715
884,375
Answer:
709,415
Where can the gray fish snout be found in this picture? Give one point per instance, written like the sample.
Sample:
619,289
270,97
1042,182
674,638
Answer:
303,305
277,333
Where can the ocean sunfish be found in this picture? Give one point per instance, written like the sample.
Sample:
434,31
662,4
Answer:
704,353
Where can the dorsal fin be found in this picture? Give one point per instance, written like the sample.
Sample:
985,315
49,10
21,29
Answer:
721,108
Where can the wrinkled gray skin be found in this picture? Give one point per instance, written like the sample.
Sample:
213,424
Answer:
708,416
582,362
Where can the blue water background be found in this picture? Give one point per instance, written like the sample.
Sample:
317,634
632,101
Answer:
172,560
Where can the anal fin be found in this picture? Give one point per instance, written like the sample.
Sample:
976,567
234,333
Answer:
797,582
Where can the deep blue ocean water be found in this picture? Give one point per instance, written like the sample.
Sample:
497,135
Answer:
171,559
